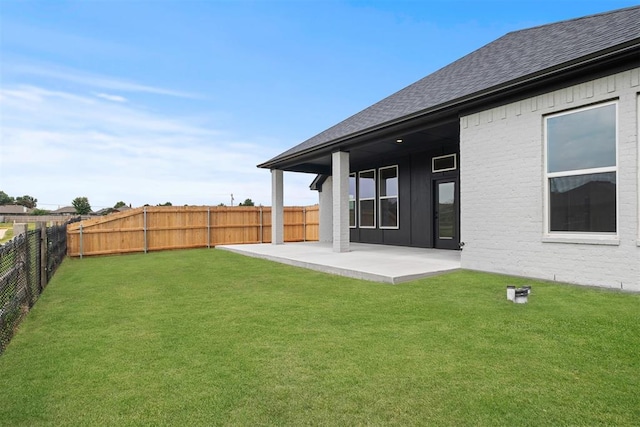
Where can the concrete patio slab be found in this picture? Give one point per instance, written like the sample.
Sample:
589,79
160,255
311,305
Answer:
379,263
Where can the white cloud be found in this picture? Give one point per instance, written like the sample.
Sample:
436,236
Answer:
71,75
114,98
57,145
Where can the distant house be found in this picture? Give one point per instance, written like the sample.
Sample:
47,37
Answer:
524,153
107,211
67,210
14,210
104,211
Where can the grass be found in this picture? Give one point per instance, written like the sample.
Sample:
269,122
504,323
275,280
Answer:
206,337
8,235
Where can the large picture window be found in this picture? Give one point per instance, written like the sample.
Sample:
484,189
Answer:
367,198
581,170
352,200
388,179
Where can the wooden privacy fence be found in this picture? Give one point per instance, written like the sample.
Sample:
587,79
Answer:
155,228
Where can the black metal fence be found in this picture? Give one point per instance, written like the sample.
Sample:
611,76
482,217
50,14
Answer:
27,263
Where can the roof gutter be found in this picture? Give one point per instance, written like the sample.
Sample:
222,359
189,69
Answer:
619,50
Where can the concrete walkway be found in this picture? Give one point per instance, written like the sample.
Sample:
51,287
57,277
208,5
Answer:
379,263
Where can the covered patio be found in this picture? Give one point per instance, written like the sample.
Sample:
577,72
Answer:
379,263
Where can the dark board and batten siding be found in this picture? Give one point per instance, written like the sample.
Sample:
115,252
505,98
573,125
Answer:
415,192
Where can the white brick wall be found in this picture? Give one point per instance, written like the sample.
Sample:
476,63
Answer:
502,190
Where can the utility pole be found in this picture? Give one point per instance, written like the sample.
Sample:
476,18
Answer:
231,199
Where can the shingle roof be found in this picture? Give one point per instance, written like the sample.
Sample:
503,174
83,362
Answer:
65,210
510,58
13,209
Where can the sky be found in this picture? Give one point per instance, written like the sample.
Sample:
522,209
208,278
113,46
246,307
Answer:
159,101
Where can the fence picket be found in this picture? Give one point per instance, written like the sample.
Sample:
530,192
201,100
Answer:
177,227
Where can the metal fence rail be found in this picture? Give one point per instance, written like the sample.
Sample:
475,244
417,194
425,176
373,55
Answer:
27,263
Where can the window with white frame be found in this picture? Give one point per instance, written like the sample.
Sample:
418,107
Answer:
367,198
444,163
388,180
581,170
352,200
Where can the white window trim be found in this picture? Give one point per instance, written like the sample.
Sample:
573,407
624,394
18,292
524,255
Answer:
397,197
581,237
375,189
433,163
355,201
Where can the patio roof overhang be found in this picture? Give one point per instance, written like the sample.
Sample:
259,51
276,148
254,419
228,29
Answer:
416,136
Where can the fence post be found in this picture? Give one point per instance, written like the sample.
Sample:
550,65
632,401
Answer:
144,228
19,228
27,269
261,233
304,224
42,226
208,227
81,242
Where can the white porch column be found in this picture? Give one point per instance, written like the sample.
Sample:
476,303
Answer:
277,208
340,178
325,199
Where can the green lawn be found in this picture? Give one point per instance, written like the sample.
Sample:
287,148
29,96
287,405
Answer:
8,235
206,337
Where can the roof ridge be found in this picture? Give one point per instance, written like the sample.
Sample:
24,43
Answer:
593,15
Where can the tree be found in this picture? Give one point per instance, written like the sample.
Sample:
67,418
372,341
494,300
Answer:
247,202
120,204
37,211
82,205
165,204
27,201
5,199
